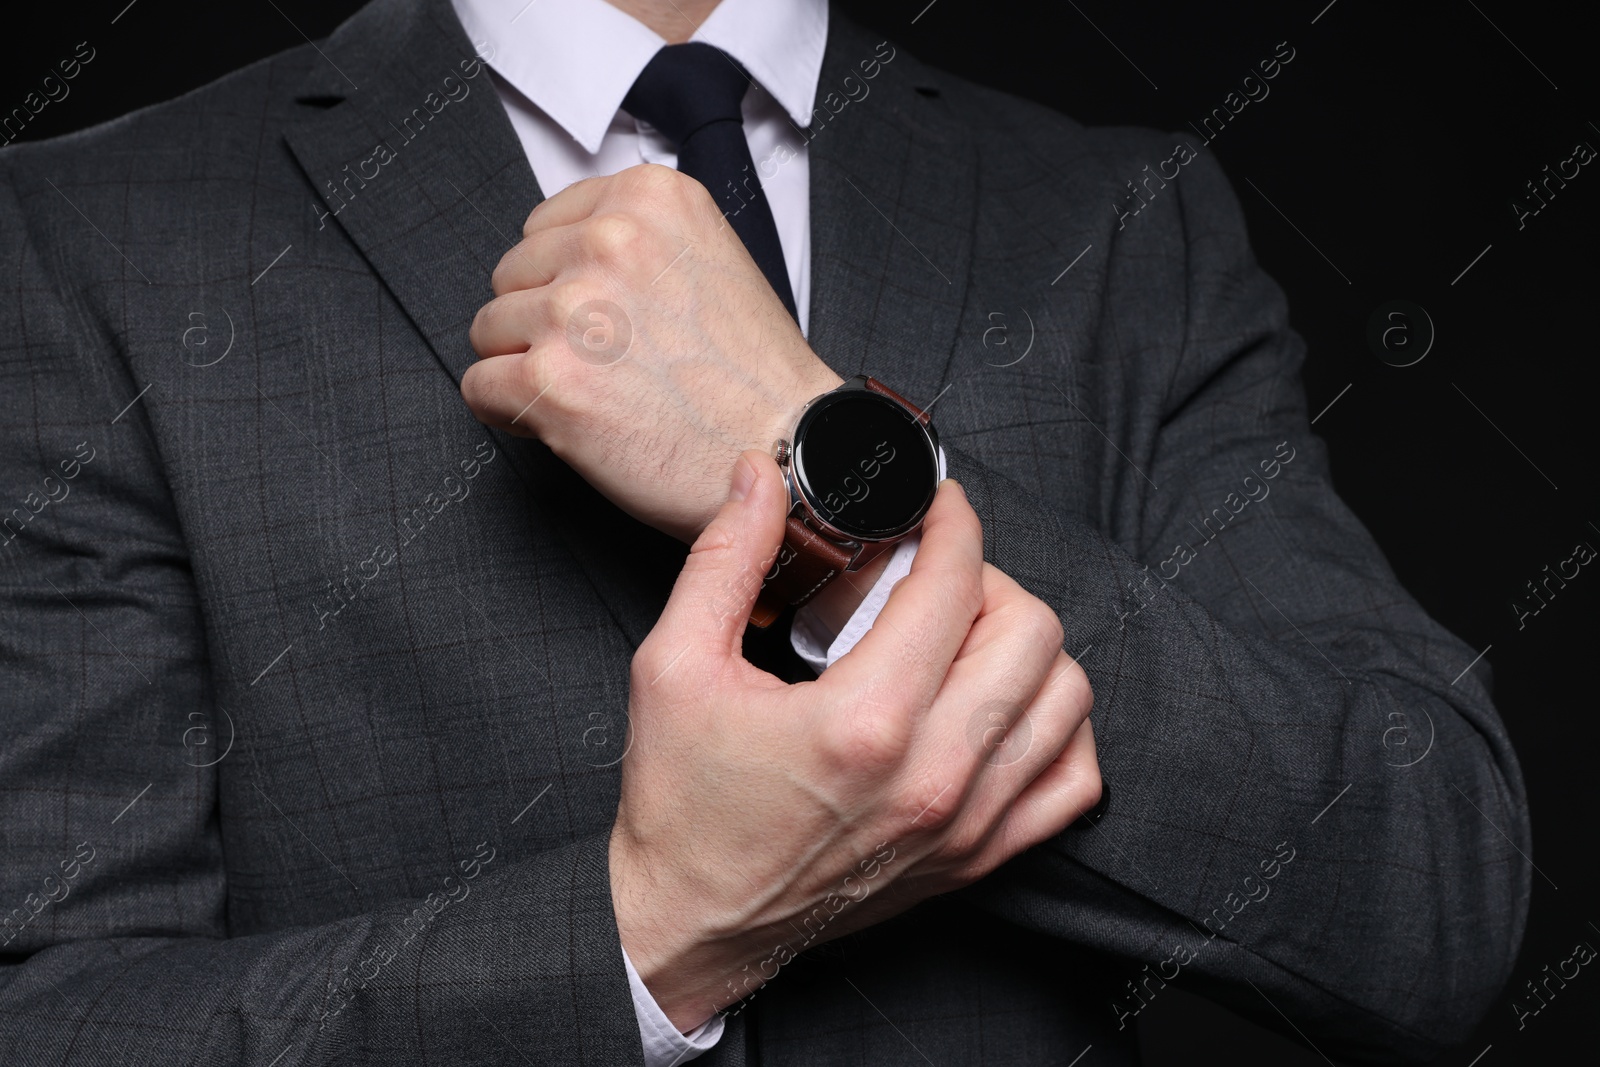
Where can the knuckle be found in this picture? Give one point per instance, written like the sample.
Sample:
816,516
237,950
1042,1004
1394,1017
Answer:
696,199
1075,684
476,391
501,325
647,184
715,549
653,180
612,238
868,737
532,374
502,278
565,300
536,377
930,805
1059,711
481,328
489,314
1047,623
670,190
963,842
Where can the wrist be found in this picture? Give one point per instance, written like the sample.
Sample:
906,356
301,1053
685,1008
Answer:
810,385
763,435
687,971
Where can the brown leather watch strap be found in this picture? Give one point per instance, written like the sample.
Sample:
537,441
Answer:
878,387
806,562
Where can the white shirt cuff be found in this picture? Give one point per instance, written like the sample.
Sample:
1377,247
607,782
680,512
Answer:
664,1044
821,649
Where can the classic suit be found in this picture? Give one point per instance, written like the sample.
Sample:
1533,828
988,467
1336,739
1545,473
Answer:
411,635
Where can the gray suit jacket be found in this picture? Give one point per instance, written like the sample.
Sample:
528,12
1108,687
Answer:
315,690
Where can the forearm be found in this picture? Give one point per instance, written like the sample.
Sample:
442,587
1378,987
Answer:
530,948
1226,728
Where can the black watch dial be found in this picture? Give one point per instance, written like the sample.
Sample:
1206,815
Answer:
864,465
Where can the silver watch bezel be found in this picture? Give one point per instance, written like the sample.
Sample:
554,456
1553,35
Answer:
784,452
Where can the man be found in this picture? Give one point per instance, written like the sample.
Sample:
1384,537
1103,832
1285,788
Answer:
343,729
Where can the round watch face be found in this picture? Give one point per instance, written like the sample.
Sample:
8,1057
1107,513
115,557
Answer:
864,465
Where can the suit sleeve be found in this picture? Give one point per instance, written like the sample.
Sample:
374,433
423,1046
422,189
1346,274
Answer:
1315,811
115,945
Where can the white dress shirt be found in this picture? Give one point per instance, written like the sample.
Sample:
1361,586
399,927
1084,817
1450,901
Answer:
562,68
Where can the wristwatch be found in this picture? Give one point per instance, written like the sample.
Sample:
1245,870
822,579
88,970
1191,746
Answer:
862,467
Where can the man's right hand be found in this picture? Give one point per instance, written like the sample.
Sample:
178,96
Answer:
758,818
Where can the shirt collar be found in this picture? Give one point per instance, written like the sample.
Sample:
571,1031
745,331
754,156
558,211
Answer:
576,59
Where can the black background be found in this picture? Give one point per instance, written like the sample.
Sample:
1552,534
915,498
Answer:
1395,141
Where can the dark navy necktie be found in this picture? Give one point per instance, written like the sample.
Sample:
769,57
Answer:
692,94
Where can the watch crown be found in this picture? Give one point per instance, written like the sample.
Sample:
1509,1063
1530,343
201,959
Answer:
781,452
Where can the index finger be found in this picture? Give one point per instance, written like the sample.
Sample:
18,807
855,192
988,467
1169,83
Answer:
916,636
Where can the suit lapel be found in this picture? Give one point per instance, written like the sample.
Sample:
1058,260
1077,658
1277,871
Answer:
419,165
433,214
893,204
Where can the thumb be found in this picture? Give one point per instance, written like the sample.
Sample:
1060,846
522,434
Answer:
713,596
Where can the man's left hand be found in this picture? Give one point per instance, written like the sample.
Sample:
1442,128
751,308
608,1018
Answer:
632,333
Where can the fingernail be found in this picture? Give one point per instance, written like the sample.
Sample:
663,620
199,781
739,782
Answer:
744,479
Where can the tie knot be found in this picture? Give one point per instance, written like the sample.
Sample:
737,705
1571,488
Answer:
686,87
